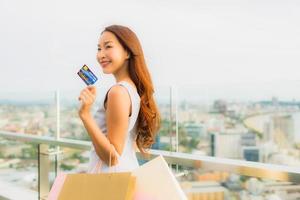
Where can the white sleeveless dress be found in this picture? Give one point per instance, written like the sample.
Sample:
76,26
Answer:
127,161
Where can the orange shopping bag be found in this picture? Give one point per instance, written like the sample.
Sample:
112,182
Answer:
116,186
106,186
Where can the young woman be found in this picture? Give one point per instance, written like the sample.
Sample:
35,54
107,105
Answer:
128,117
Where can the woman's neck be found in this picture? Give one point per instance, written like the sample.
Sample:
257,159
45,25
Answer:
122,74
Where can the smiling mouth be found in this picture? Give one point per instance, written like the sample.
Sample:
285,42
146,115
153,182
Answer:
104,64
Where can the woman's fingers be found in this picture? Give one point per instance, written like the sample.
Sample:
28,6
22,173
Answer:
86,97
81,97
92,89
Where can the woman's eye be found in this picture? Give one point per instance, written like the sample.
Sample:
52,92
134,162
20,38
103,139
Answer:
105,47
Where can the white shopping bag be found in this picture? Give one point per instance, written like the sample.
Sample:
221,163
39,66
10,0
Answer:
155,181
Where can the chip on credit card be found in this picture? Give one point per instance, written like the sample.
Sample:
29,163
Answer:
87,75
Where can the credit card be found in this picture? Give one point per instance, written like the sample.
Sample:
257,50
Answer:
87,75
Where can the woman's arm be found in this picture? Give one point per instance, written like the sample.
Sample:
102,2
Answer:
117,118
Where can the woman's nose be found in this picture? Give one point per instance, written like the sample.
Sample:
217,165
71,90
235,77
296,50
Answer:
100,56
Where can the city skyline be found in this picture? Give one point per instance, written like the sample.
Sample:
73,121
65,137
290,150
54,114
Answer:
189,93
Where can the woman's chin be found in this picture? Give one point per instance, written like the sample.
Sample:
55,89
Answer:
106,71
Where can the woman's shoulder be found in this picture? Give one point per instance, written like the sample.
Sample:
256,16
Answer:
122,91
118,92
127,84
131,88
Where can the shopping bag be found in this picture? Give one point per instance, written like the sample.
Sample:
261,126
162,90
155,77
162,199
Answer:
155,181
57,186
106,186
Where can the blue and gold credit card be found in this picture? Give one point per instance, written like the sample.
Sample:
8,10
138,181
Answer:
87,75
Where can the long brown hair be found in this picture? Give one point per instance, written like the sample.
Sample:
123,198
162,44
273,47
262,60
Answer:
148,122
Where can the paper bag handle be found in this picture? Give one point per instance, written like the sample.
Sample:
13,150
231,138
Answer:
97,167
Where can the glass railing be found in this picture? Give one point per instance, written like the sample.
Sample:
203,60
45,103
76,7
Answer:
201,177
28,112
241,123
254,122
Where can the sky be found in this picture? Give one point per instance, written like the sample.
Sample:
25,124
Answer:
214,45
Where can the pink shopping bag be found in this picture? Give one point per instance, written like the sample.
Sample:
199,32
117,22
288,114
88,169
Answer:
57,186
155,181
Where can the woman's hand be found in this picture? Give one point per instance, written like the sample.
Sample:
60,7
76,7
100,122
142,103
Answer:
87,98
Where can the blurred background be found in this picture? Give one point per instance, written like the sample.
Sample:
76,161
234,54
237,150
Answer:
225,77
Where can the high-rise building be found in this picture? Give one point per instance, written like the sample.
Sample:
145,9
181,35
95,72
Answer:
284,127
225,145
251,153
196,130
268,131
204,190
248,139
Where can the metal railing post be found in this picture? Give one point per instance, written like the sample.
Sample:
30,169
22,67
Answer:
43,170
57,136
171,118
176,124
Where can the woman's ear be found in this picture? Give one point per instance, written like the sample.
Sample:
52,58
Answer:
128,55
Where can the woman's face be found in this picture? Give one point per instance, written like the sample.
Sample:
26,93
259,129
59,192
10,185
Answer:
111,55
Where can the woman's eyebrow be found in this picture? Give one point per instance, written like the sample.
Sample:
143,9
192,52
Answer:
105,43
